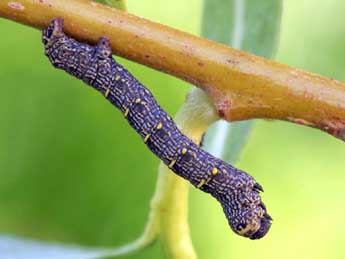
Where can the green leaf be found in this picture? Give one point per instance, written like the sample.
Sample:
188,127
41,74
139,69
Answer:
13,248
119,4
249,25
20,248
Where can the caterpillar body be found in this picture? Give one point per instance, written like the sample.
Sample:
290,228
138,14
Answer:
237,191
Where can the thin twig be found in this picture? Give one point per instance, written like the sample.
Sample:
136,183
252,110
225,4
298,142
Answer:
241,86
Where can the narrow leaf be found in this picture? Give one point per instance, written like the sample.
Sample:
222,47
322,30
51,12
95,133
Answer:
13,248
249,25
119,4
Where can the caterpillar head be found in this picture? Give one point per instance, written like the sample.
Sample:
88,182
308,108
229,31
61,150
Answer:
247,213
55,29
239,195
251,223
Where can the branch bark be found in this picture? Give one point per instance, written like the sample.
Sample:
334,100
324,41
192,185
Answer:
242,86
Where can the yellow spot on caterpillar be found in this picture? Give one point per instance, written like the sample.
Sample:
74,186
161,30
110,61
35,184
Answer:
262,214
117,78
246,229
159,126
214,171
147,138
172,163
138,100
184,151
144,104
107,93
126,112
202,182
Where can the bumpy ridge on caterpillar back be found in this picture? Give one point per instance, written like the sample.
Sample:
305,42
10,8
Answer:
237,191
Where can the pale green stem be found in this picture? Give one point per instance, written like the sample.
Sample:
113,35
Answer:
149,235
193,119
168,217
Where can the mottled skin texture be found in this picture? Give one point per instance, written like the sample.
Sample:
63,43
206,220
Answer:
237,191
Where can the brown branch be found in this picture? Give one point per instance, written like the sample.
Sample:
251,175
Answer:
241,85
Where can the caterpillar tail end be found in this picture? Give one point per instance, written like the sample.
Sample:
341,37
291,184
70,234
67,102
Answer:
55,29
103,48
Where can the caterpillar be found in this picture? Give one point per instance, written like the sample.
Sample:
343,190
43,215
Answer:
237,192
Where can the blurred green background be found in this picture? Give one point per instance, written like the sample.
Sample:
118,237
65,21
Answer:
73,171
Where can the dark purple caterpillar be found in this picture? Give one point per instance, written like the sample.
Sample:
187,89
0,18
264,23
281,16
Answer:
237,191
